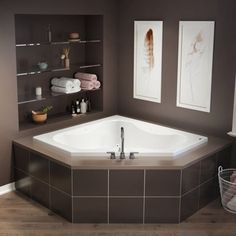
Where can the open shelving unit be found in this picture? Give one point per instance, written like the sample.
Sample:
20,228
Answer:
33,46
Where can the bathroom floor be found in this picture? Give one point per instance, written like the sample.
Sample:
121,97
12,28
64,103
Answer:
20,216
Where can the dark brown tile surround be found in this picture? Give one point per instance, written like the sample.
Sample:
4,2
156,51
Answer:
126,182
126,210
163,182
112,195
90,182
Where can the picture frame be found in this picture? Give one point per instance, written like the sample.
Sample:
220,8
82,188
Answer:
195,59
148,60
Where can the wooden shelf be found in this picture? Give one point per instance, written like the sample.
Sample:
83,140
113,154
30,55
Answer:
57,118
57,43
90,66
38,71
32,98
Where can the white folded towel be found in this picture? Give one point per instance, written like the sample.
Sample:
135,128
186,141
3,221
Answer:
64,82
232,204
85,76
57,89
76,82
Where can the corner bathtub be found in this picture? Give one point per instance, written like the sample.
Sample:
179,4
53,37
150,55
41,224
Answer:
94,139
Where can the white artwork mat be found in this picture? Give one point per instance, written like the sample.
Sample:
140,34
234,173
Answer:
195,56
148,60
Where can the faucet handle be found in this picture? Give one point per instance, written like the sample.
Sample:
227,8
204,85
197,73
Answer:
122,156
112,155
132,156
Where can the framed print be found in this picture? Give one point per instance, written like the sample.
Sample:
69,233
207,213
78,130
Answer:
195,56
147,60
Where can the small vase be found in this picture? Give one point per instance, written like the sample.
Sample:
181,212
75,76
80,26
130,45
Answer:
67,63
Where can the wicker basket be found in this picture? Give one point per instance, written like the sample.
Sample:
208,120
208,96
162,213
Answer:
227,182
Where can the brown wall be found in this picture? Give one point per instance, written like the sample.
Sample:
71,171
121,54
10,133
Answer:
218,121
8,86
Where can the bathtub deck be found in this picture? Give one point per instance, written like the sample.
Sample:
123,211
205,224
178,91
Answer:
213,145
23,217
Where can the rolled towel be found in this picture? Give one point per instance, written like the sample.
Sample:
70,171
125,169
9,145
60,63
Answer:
96,84
76,82
232,204
87,85
233,177
63,83
57,89
86,76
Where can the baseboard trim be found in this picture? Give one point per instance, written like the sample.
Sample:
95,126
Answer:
7,188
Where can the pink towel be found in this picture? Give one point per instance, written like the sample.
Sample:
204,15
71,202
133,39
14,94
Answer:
233,177
231,191
96,84
86,85
86,76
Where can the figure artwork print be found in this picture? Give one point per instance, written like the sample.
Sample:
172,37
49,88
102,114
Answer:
195,64
147,60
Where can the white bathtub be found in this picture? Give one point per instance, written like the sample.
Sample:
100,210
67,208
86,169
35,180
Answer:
96,138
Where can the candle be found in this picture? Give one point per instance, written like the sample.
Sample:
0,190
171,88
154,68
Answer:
38,91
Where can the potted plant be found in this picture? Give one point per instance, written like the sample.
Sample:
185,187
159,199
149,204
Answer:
41,116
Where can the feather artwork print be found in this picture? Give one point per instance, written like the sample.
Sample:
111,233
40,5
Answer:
148,49
147,60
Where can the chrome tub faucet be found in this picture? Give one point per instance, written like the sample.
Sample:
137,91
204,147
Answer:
122,135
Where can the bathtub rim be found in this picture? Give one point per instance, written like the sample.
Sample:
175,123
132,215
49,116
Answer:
52,144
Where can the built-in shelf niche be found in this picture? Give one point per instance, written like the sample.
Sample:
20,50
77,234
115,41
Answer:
32,46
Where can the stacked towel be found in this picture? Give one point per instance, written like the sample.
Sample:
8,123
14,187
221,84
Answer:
97,84
65,85
232,204
88,81
86,84
86,76
229,195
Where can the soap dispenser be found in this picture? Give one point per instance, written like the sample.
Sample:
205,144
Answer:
83,107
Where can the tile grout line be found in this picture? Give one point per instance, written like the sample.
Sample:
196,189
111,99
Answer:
180,194
144,193
49,180
30,187
72,194
108,196
154,196
199,184
50,186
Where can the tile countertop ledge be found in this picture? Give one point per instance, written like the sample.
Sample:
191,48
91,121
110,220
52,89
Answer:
214,145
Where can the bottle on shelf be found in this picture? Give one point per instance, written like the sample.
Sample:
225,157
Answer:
88,105
66,52
83,107
73,113
77,106
49,34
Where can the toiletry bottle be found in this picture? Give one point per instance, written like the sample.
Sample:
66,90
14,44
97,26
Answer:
77,106
83,107
88,105
73,113
49,34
